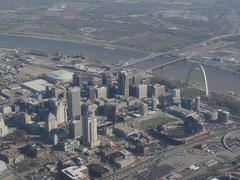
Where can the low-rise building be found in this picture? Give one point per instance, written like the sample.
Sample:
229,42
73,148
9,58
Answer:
35,150
69,145
180,112
75,173
123,130
11,156
121,159
6,110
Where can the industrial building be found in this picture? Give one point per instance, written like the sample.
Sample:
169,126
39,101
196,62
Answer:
37,86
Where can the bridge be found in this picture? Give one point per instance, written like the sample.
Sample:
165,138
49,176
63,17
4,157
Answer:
151,57
162,66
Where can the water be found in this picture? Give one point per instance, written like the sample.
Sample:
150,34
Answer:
218,79
107,56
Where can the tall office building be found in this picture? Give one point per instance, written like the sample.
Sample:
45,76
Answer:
133,90
61,111
76,80
91,93
176,93
101,92
111,91
223,116
76,129
89,136
156,90
73,102
136,79
3,127
106,79
123,83
51,122
141,91
110,111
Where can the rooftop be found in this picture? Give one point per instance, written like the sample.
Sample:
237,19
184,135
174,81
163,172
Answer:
75,172
60,75
38,85
125,128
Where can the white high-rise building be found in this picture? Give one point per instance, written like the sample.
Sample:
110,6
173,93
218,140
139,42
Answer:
141,91
3,127
102,92
61,112
89,128
156,90
176,93
51,122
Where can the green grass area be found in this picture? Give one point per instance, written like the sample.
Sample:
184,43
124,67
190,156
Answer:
156,121
178,132
192,92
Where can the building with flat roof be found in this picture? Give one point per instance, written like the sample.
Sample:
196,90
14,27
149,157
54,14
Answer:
180,112
75,173
37,86
124,130
59,76
156,90
120,158
11,156
69,145
141,91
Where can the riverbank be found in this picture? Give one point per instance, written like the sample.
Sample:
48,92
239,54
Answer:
82,40
53,45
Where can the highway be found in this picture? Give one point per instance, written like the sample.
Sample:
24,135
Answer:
154,160
154,56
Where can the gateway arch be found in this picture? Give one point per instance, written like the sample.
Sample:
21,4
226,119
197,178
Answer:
203,73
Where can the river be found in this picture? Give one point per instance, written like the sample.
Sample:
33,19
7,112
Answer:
105,55
218,79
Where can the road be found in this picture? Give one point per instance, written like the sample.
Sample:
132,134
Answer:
153,160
